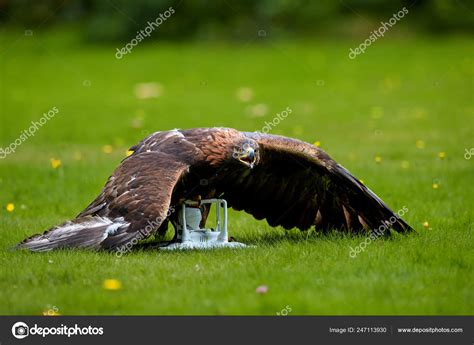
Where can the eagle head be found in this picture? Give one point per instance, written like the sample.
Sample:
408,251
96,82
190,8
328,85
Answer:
247,153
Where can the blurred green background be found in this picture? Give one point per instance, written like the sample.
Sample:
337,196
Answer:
109,20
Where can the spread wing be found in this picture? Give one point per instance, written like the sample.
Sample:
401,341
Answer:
134,202
140,190
298,185
139,195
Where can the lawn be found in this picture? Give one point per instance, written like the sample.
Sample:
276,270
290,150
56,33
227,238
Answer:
399,117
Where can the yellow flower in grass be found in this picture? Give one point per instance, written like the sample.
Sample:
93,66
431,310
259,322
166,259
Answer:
442,155
317,143
435,185
426,225
55,163
10,207
107,149
420,144
378,159
112,284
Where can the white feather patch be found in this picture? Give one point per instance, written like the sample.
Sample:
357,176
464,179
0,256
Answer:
94,222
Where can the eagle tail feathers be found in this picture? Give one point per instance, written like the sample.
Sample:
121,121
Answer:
83,232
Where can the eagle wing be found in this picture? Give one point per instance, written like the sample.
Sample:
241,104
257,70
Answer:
134,202
139,192
298,185
141,188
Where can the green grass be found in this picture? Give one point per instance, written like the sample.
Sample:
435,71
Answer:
380,104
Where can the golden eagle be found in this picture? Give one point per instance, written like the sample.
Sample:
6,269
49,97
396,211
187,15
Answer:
285,181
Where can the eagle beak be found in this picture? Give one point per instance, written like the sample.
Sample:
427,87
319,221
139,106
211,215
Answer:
248,157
